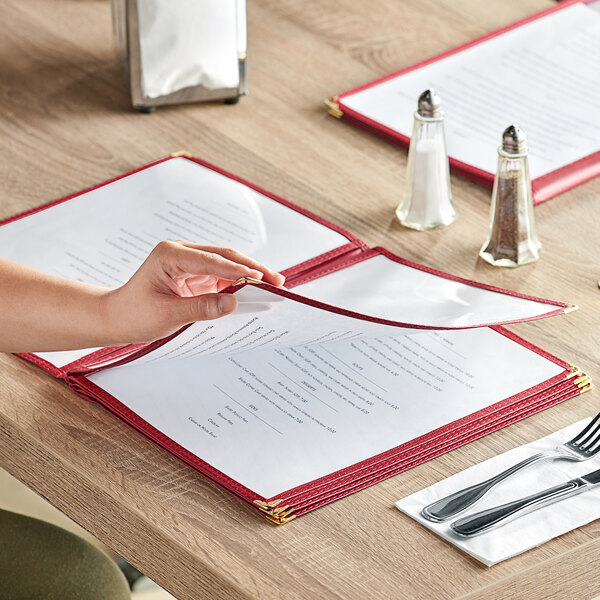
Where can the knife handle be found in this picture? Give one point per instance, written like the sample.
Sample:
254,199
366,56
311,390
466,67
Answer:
447,507
498,515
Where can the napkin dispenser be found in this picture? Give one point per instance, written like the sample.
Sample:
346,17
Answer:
178,51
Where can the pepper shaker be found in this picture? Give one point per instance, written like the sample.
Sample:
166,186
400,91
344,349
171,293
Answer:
427,200
512,240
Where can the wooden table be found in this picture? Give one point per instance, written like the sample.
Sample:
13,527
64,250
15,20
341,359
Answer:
65,123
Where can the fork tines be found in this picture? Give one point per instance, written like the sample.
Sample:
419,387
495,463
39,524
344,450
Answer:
588,440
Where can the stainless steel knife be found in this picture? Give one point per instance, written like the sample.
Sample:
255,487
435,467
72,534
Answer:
485,520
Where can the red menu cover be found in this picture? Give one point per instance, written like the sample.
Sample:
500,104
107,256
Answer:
367,365
530,72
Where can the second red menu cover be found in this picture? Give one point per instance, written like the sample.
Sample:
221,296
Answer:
540,73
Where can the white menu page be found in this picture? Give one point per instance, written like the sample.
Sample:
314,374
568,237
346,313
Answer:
280,393
543,76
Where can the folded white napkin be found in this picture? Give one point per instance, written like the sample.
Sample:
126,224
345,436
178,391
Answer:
186,43
530,530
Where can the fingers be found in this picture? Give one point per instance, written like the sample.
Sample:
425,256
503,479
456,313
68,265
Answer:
205,307
178,260
269,276
196,274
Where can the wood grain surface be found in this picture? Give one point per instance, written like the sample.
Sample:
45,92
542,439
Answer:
66,123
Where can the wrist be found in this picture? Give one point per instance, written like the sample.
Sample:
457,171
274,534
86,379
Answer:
112,325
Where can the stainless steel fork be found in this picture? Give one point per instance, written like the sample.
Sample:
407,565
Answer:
583,446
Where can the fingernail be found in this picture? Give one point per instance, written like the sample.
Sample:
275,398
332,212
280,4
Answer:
227,303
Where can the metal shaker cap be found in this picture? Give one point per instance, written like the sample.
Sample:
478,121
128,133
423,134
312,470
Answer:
429,104
514,140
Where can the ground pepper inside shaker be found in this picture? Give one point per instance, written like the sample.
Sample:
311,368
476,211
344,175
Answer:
511,240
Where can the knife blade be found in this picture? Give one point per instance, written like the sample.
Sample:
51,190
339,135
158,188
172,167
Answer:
490,518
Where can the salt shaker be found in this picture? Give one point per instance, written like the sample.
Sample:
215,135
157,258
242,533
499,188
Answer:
511,240
427,199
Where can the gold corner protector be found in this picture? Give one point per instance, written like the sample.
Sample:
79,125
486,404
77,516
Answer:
583,382
333,108
580,379
267,505
240,281
282,518
275,512
182,153
570,308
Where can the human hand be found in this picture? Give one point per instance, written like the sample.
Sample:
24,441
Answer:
180,282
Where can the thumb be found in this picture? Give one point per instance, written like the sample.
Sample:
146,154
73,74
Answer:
206,307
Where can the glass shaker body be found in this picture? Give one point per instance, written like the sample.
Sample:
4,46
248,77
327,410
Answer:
427,198
512,240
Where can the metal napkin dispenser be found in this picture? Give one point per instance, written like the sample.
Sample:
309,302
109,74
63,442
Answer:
177,51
